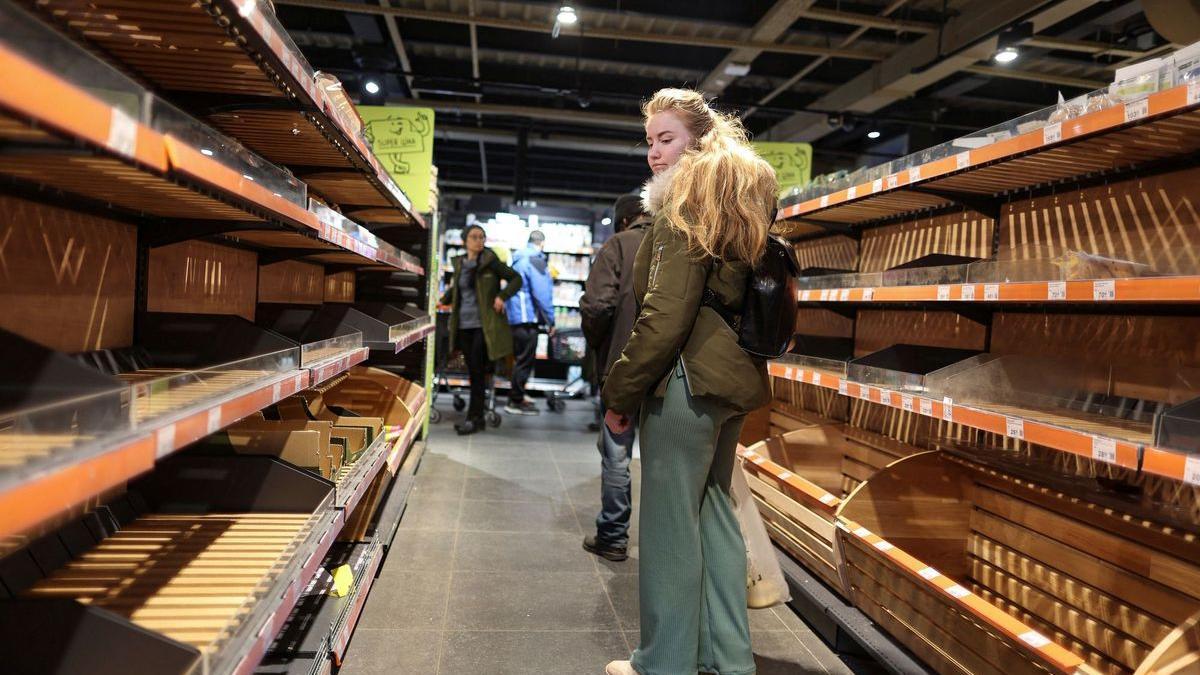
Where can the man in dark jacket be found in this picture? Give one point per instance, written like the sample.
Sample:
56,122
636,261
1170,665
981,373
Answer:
609,309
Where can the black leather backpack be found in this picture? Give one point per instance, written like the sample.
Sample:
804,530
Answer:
767,322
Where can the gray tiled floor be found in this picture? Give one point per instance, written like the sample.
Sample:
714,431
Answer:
487,575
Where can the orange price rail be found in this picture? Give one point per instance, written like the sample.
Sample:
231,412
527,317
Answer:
794,486
1180,289
1160,126
1162,462
332,367
77,480
414,336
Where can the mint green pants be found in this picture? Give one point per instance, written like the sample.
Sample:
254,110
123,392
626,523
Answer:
692,558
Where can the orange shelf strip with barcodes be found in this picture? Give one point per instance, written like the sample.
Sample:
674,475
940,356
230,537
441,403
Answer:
1166,463
1180,289
794,486
1170,101
970,604
74,483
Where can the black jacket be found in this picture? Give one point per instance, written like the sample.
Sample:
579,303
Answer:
609,306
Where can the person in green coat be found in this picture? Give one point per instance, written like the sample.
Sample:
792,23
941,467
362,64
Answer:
712,198
477,322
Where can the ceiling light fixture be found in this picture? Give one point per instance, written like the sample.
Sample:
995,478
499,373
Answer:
1006,55
873,135
566,17
372,87
606,221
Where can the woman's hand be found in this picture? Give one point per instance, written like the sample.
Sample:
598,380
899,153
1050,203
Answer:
616,422
498,305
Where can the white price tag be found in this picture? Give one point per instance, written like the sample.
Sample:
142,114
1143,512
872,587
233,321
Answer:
276,391
1104,289
926,407
957,591
1193,92
1035,639
816,378
906,402
868,294
968,291
893,180
883,545
991,292
805,295
1056,290
122,133
962,160
948,409
852,192
1137,110
843,387
1052,133
877,185
864,392
214,420
1014,428
943,293
164,441
1191,470
929,573
825,295
824,201
845,295
1104,449
914,174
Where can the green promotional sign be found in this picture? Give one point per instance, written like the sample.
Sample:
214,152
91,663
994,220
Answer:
403,140
792,162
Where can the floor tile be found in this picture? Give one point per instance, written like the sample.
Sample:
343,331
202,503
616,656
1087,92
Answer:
525,653
520,601
419,551
546,516
431,514
500,467
391,652
437,487
495,489
534,553
407,601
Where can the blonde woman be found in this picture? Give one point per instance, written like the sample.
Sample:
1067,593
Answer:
712,198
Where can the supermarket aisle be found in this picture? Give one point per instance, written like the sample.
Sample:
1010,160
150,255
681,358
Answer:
487,575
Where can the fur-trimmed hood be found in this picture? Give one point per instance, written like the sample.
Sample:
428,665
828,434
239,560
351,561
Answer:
657,188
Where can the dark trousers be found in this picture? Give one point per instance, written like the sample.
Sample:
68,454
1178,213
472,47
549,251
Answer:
474,349
525,338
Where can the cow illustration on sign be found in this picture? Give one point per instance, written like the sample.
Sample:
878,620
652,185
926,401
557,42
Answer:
395,136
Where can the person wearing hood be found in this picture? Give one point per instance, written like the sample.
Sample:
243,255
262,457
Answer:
477,323
608,309
533,305
712,199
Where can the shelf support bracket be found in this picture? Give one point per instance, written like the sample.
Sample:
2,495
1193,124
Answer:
155,236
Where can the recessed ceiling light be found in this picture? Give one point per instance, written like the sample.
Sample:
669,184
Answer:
873,135
372,87
1006,55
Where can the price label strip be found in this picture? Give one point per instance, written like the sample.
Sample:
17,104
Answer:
1104,449
1014,428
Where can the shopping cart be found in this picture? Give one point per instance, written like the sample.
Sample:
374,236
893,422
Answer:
448,368
567,347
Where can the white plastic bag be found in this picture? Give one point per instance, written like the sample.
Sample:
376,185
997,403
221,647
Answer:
765,585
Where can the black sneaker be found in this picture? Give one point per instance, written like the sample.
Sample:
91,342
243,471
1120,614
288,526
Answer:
522,408
468,427
606,551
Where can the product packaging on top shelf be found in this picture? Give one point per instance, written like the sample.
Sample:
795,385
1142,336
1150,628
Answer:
1137,81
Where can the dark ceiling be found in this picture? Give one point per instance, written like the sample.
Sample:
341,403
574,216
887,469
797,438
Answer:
556,119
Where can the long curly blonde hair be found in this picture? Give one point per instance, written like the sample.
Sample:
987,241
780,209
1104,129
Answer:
722,195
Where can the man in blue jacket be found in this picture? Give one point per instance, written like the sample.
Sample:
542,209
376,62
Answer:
531,306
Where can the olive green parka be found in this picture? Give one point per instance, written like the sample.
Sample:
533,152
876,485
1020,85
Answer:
673,324
488,273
